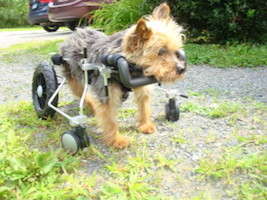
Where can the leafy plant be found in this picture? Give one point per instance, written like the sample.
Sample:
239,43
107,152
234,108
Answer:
221,21
119,15
229,164
13,13
26,172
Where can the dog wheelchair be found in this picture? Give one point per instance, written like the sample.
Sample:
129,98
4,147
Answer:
45,92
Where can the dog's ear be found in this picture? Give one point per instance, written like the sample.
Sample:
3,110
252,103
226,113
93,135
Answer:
142,31
162,12
141,34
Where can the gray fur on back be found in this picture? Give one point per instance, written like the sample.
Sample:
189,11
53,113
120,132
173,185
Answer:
97,44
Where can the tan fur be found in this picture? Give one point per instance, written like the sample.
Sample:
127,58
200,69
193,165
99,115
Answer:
152,44
77,90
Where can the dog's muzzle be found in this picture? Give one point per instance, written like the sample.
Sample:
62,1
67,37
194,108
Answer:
181,66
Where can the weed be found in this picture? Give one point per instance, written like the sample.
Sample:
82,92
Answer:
164,163
223,109
133,187
216,110
126,113
230,166
179,139
29,173
256,139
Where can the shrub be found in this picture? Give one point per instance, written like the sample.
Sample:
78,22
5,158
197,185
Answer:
221,20
119,15
13,13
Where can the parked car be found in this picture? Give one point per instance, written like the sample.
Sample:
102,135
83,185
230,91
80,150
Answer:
73,12
52,14
38,15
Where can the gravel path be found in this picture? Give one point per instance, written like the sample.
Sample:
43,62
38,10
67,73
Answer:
204,136
232,83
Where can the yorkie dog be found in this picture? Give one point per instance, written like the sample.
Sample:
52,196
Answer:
154,44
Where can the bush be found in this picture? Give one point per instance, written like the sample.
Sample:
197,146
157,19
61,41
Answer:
216,21
221,20
119,15
13,13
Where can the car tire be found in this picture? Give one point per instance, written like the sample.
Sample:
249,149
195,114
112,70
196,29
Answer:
72,25
50,28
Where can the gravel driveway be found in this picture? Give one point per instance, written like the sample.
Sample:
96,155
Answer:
203,135
231,83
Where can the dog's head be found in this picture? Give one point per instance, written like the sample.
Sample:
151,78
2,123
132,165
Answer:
155,43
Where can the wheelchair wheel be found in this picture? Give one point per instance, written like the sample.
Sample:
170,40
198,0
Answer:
44,84
74,140
71,142
172,110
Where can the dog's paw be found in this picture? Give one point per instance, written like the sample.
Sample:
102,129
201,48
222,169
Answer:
120,142
147,128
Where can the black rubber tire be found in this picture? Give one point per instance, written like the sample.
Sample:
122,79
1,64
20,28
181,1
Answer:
172,110
80,131
50,28
72,25
71,142
44,77
85,140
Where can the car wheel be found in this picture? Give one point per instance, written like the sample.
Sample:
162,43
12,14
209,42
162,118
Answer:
50,28
72,25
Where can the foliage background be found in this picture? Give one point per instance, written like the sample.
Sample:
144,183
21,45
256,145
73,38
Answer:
214,21
220,20
13,13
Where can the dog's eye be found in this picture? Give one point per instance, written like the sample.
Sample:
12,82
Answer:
162,51
181,55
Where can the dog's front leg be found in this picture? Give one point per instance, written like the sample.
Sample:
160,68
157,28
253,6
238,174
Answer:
106,116
143,98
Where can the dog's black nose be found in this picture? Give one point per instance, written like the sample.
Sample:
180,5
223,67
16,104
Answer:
181,69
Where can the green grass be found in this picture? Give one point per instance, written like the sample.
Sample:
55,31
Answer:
241,55
30,28
214,55
34,167
34,48
30,170
37,168
218,110
253,166
36,51
21,29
